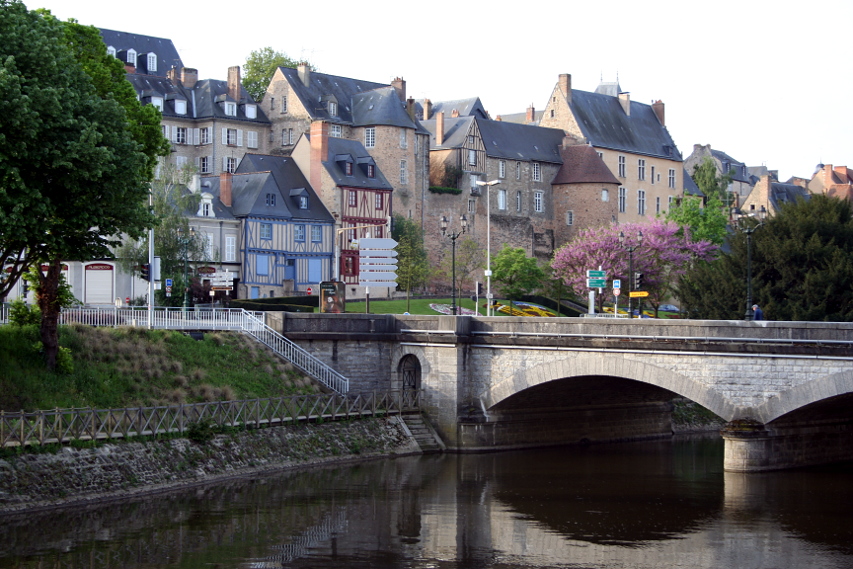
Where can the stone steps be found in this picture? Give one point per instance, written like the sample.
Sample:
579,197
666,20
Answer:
423,434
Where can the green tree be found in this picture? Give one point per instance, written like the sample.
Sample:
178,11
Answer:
802,266
515,273
706,222
260,67
73,175
413,268
705,176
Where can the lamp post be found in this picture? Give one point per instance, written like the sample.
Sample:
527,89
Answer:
185,243
631,247
748,223
453,237
488,243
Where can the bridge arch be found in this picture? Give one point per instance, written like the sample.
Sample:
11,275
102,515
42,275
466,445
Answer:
799,396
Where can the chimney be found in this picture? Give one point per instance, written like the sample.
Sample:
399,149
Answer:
658,108
235,90
499,118
304,73
565,83
410,108
319,153
439,129
827,175
625,101
454,114
129,68
225,179
427,109
531,113
189,77
399,85
172,74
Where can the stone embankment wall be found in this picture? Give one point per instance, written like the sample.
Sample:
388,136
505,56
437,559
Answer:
111,471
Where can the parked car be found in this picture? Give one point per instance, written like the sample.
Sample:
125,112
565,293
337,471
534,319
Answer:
668,308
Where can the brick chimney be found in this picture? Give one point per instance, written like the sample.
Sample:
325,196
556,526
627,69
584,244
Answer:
129,68
454,114
531,113
565,83
304,73
427,109
625,101
399,85
172,75
235,90
319,153
410,108
439,129
189,77
499,118
225,180
658,108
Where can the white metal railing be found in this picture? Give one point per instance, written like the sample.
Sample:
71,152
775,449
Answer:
4,312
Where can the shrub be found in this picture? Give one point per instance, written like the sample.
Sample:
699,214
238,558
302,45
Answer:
23,314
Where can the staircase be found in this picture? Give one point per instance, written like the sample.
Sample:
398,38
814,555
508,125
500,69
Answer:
423,434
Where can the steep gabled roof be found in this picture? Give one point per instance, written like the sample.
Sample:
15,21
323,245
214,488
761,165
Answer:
321,86
380,107
786,193
471,107
341,151
521,142
606,125
583,165
167,55
455,132
740,172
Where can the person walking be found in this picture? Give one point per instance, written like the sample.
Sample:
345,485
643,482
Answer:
757,314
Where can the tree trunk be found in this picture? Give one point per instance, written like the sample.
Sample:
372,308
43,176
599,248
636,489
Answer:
47,295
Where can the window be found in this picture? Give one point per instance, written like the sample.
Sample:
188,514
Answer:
517,201
371,171
230,249
284,137
378,201
538,204
152,62
641,202
653,175
472,206
352,199
404,172
348,169
657,204
290,136
157,102
180,107
333,108
252,139
552,113
570,218
204,164
262,265
335,131
404,138
502,199
600,155
229,164
502,169
605,195
518,170
472,157
131,56
205,209
669,201
623,200
303,202
284,104
671,178
370,137
180,135
641,169
230,136
299,232
204,135
181,162
230,109
537,172
621,173
111,51
165,130
316,233
251,112
266,231
270,200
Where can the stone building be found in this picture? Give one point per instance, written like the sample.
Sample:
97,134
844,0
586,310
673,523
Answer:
832,180
742,180
770,194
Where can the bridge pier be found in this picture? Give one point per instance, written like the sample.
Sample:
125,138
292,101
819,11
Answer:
751,446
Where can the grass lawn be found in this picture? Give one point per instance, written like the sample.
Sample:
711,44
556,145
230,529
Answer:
414,306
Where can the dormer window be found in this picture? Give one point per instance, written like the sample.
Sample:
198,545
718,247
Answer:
270,200
205,207
157,102
371,171
348,168
303,202
131,56
180,107
152,62
333,108
230,109
251,111
111,51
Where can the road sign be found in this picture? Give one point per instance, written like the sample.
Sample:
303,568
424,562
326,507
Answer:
376,243
169,283
596,274
638,294
309,290
617,283
377,263
616,291
596,283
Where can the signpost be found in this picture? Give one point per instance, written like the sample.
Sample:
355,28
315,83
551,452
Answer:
638,293
377,264
596,279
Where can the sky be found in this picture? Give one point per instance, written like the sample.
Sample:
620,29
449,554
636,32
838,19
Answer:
766,82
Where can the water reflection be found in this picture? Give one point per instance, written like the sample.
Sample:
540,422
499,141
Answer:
660,504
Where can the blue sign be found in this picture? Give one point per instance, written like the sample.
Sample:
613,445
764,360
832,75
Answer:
168,282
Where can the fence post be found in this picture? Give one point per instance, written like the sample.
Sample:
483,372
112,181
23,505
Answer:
22,427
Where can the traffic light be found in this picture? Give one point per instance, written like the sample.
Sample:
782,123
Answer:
638,281
479,289
146,272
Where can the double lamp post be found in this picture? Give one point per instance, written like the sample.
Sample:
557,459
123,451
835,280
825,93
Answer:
453,236
748,223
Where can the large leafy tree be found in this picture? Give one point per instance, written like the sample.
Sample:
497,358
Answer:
802,267
665,252
705,176
259,68
706,222
515,273
413,267
73,176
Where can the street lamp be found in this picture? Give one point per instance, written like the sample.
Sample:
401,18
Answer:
453,237
748,223
185,241
631,247
488,244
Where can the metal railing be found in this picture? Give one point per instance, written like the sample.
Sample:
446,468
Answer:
67,425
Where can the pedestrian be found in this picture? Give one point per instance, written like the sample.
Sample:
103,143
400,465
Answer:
757,314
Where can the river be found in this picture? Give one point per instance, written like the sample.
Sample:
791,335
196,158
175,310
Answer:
662,504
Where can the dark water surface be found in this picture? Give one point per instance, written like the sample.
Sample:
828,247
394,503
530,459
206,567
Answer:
657,505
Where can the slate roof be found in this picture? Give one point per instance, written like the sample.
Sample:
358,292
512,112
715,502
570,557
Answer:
201,99
786,193
729,164
690,187
167,55
380,107
583,165
605,125
341,151
521,118
287,180
471,107
322,86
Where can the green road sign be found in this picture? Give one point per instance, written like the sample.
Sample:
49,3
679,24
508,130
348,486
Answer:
590,274
596,283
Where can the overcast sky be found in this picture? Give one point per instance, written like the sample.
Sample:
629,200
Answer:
763,81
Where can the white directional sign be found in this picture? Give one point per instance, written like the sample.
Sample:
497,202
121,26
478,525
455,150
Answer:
377,262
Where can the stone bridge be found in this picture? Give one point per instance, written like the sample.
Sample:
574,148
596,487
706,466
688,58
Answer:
785,389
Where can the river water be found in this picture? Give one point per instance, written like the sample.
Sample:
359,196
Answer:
635,505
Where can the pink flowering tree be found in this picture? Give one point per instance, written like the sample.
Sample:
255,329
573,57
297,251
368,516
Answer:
665,253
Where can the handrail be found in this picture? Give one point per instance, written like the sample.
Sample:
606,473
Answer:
66,425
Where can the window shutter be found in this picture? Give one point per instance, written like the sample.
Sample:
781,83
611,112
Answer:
224,136
224,163
167,133
196,136
239,137
198,163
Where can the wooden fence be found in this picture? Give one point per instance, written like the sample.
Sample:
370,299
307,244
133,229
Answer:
66,425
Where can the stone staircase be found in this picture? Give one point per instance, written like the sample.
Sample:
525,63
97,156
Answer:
423,434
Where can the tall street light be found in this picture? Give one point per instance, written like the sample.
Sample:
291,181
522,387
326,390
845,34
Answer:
185,241
748,223
630,247
453,237
488,243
